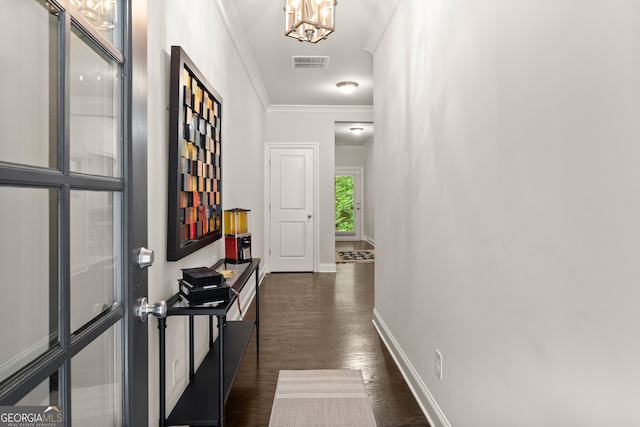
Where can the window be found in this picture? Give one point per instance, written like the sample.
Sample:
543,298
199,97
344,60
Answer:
62,192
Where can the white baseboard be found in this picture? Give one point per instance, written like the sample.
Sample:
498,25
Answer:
327,268
423,396
343,238
369,240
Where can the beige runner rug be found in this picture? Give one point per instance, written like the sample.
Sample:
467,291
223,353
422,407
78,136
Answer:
321,398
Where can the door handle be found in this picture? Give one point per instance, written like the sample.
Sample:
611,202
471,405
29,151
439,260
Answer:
309,216
143,309
145,258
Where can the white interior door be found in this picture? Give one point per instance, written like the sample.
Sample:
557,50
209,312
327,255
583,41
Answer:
292,216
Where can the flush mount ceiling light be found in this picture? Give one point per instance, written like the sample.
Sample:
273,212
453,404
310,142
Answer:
347,87
309,20
356,131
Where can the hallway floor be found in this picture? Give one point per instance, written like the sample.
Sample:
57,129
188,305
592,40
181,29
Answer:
320,321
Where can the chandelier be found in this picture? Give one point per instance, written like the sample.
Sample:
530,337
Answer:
309,20
100,13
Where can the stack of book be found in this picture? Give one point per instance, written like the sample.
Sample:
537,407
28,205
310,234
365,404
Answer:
204,285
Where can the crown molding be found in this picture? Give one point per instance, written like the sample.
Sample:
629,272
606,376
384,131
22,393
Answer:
232,24
320,109
386,10
350,147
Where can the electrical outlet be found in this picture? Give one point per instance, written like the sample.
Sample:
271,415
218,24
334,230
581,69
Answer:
176,370
439,364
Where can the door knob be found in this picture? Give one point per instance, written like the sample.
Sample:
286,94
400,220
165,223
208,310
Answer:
145,258
143,309
309,216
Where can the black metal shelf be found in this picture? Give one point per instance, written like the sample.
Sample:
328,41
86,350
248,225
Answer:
198,405
202,403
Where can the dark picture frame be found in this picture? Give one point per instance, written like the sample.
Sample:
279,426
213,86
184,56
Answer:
195,159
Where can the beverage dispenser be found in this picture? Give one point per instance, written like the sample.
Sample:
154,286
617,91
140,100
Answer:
237,239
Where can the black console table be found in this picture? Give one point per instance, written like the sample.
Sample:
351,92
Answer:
202,403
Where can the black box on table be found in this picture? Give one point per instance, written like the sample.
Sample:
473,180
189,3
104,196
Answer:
202,276
204,294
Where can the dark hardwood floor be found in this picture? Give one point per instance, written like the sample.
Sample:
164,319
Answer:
320,321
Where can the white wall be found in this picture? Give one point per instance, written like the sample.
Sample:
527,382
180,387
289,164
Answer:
315,124
508,158
350,156
369,193
208,45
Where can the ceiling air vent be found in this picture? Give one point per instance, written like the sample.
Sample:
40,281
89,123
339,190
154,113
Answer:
309,62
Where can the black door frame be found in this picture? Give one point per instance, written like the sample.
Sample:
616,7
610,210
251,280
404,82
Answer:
136,367
57,361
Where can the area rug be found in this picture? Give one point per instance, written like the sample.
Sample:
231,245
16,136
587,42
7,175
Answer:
321,398
356,256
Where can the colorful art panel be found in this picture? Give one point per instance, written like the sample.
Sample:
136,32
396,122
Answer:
195,199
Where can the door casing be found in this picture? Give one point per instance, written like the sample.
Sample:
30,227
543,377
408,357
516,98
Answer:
136,373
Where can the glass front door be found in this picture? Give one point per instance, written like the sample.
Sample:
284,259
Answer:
347,204
66,156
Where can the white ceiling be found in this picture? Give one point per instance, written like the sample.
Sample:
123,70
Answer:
257,30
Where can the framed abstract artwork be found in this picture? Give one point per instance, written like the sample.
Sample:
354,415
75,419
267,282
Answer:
195,169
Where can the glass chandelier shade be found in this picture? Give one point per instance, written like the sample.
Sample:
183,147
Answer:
309,20
100,13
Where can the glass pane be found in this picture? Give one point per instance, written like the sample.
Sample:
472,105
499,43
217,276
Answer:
95,254
28,311
105,16
29,86
96,120
97,381
46,394
344,203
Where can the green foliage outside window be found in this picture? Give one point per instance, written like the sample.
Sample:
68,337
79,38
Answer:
344,203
